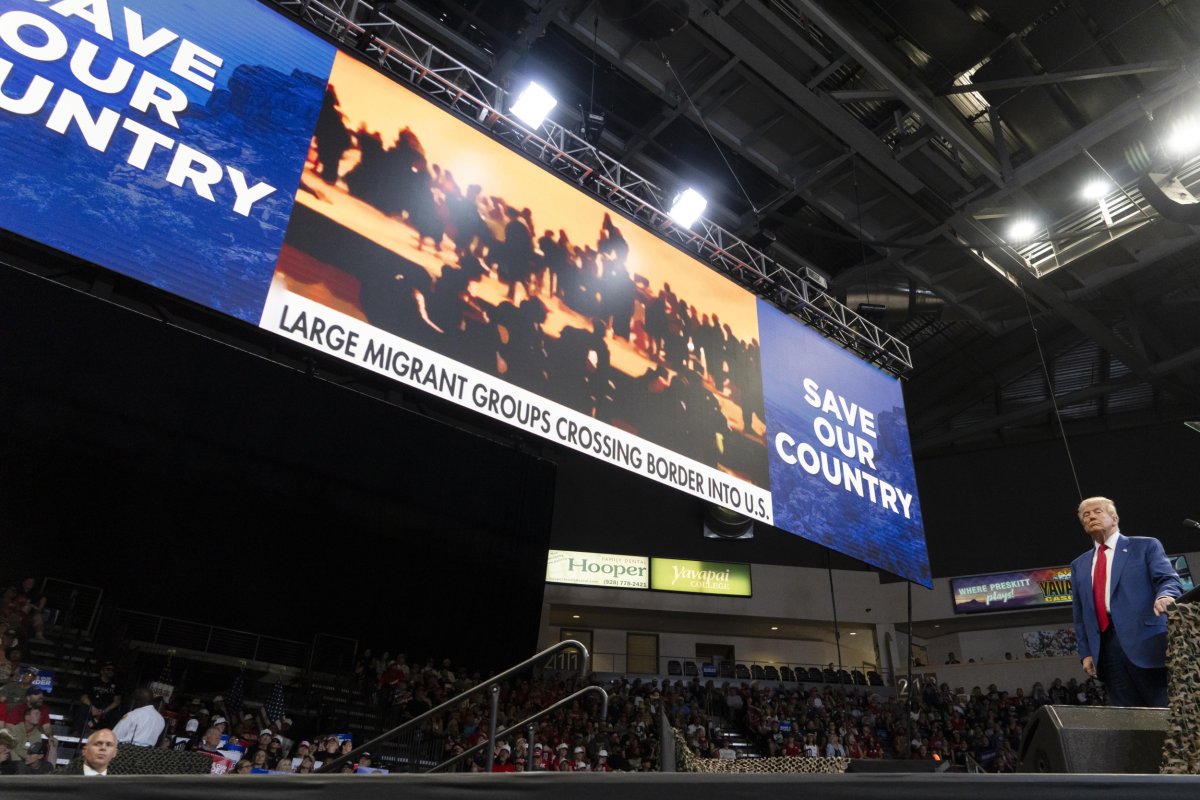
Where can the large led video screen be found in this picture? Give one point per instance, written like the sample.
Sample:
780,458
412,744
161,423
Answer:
217,150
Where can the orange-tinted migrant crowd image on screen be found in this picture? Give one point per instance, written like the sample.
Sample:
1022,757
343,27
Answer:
418,223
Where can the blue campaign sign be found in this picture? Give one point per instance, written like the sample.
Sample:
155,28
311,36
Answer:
162,140
45,680
840,460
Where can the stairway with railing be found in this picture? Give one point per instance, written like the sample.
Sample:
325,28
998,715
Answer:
416,746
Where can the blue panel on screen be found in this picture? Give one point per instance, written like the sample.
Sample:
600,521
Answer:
840,461
97,197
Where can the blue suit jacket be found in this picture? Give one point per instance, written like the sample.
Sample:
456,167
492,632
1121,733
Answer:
1141,573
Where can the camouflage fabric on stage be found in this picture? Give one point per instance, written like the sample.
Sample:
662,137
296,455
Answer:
1181,750
690,762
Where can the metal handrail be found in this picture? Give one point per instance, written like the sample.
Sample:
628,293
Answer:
493,681
207,631
527,721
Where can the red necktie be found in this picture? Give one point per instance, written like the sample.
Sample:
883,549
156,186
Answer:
1100,587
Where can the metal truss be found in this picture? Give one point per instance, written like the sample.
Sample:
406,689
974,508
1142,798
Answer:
403,53
1118,213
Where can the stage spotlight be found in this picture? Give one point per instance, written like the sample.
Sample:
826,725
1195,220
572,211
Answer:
687,207
532,106
1022,230
1184,138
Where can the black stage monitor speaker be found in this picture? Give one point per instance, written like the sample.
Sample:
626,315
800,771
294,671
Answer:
1094,739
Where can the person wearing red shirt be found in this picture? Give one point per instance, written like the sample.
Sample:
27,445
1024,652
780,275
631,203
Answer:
503,762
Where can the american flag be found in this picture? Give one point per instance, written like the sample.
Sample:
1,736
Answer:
274,705
233,698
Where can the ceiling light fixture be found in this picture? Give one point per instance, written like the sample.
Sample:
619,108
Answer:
1022,230
1096,189
1184,138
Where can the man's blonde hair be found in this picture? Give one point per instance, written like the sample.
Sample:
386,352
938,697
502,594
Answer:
1109,506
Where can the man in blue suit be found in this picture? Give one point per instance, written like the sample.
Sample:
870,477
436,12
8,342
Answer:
1122,588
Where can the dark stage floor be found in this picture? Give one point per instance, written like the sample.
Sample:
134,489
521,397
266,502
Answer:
665,786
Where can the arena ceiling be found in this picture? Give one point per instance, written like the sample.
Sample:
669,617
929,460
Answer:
892,145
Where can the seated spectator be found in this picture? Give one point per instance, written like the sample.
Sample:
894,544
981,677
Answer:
13,692
100,702
35,697
330,750
561,757
502,761
834,748
143,725
31,604
244,767
262,743
10,655
275,751
211,741
35,755
8,764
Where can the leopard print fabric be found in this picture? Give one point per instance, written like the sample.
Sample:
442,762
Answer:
1181,750
690,762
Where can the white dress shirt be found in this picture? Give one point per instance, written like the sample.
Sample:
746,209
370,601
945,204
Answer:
1111,543
142,726
89,771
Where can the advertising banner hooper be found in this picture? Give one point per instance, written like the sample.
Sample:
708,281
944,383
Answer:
220,152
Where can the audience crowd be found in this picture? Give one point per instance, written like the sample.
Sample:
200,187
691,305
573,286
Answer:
764,718
932,722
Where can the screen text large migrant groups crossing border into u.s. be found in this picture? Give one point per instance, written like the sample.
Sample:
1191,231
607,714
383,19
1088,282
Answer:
221,152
